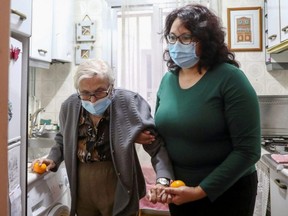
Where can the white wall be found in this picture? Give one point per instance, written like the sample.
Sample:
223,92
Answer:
253,63
56,84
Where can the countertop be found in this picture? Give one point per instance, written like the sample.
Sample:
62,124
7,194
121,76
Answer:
266,158
32,176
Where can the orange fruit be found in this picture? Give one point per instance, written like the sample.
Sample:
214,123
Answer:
39,169
177,183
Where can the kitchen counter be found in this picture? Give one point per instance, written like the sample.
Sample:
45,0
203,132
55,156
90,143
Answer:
266,158
48,192
32,176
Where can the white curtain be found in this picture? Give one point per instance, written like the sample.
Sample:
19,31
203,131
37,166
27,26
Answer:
137,47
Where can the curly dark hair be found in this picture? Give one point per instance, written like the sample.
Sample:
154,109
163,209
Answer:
207,28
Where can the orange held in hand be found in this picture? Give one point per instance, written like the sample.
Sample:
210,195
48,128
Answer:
39,169
177,183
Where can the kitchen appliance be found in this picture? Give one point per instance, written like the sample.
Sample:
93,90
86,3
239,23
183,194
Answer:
274,123
274,131
15,75
48,194
275,144
16,155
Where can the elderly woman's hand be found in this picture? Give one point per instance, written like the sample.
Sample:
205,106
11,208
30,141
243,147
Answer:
49,163
158,194
145,137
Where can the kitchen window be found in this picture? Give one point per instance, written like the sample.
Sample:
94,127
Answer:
137,50
137,45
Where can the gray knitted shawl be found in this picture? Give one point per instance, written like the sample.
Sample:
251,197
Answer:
129,115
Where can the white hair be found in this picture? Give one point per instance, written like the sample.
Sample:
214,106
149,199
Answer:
92,67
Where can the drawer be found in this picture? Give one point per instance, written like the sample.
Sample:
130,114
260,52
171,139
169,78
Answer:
278,193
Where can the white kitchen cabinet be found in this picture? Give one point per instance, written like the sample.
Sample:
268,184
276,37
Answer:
52,32
277,25
63,31
20,18
41,39
273,22
278,193
284,20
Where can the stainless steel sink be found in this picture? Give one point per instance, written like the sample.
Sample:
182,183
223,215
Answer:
47,134
40,146
40,142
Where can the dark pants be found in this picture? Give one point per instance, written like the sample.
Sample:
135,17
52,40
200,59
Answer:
239,200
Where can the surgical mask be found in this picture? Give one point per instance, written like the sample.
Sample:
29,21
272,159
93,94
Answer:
97,108
184,55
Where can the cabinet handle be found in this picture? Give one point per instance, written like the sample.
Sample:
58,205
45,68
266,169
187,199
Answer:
272,37
285,29
280,185
21,15
42,51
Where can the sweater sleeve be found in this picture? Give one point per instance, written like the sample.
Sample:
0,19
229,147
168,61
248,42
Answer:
130,115
242,116
68,120
157,151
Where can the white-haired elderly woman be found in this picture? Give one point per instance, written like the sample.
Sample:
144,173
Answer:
99,126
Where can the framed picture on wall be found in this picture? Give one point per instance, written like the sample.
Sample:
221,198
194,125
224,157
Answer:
244,29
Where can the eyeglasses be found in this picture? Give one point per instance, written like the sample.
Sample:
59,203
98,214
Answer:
184,38
96,94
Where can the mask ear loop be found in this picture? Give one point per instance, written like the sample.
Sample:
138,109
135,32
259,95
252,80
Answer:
78,94
111,91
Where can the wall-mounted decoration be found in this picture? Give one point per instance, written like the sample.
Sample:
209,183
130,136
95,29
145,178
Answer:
86,30
83,52
14,53
245,29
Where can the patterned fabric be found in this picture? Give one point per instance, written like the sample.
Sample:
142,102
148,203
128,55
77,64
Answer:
93,141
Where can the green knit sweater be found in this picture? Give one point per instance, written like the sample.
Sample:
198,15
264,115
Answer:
212,130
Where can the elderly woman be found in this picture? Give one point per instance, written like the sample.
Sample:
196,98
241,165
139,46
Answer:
98,128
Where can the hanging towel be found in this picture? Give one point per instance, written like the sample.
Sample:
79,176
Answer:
279,158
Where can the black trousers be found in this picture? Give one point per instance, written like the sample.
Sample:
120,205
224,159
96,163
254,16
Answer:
239,200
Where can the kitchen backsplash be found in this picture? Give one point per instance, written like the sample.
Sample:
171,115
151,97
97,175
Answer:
54,85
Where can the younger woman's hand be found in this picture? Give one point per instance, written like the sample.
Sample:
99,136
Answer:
184,194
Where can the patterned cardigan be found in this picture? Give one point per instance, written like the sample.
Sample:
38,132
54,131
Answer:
129,115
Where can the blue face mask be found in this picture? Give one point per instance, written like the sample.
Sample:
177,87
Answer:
97,108
184,55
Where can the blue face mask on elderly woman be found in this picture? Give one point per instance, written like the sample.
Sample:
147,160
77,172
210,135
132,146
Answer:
184,55
97,108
